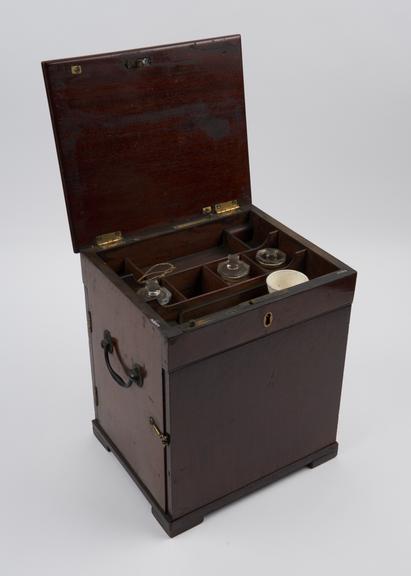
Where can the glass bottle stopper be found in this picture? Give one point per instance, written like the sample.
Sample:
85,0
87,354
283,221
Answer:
233,268
271,257
152,290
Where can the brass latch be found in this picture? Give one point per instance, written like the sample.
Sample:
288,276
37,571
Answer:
164,437
105,240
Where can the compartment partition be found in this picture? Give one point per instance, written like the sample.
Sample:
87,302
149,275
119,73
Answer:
196,287
195,281
221,303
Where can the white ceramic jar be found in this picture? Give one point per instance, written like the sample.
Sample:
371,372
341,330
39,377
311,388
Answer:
282,279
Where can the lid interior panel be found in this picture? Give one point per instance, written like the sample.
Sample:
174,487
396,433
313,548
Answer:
149,136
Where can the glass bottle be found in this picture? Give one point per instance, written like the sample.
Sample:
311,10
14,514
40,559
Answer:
233,269
153,291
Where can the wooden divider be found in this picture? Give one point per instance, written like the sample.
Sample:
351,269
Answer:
196,287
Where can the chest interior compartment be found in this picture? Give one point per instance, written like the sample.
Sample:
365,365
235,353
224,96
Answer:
196,287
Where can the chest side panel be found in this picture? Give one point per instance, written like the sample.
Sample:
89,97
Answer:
240,415
124,413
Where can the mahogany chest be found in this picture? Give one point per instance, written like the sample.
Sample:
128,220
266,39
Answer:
225,387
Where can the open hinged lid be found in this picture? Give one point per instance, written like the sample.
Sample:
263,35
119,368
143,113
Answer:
148,137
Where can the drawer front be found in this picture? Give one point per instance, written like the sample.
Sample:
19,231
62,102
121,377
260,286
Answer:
245,413
256,319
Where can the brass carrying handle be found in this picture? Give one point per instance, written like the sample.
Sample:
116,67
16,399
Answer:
135,375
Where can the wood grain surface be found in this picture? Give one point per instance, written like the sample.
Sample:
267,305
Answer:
143,145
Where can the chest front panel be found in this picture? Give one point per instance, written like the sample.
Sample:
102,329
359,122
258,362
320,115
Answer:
244,413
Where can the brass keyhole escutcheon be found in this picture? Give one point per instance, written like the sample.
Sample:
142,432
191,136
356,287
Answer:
268,319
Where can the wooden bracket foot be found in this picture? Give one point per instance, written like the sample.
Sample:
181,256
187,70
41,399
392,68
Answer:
100,437
330,453
175,526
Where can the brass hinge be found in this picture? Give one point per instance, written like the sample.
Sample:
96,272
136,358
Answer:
225,207
105,240
164,437
222,207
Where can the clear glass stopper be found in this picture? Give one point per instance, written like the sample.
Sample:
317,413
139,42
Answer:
233,268
153,291
271,257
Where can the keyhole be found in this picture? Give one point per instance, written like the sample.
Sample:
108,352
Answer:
268,319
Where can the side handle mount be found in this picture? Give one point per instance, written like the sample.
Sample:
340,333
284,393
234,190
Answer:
134,376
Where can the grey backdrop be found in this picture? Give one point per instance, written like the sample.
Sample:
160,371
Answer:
328,87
